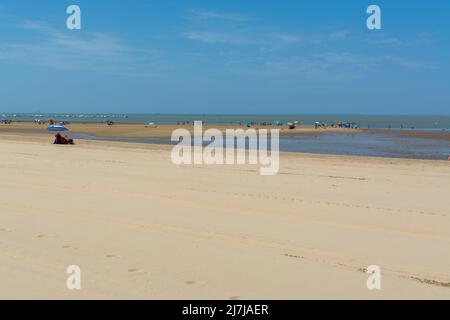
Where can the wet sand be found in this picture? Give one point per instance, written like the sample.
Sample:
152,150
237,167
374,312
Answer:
419,134
121,130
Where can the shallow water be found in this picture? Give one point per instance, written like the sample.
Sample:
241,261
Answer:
359,144
368,144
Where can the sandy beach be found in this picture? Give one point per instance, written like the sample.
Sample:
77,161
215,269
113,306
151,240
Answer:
224,153
141,227
136,130
164,131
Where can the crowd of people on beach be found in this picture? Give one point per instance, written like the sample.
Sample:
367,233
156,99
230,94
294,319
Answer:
290,125
5,121
343,125
51,122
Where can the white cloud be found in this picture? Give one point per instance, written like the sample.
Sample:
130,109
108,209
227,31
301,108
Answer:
212,37
329,66
287,38
422,38
236,38
339,35
266,42
203,14
409,63
235,31
362,61
76,50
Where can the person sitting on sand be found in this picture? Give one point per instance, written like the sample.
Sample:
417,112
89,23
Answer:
58,138
68,140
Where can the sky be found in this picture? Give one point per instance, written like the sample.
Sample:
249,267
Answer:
225,57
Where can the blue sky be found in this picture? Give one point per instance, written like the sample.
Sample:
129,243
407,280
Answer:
225,57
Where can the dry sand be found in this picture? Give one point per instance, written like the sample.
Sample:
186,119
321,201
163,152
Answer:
141,227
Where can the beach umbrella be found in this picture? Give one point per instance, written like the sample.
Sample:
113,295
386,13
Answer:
57,128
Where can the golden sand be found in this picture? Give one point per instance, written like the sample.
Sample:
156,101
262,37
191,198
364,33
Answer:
124,130
141,227
133,130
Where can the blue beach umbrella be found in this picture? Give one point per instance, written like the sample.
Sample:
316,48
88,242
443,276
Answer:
57,128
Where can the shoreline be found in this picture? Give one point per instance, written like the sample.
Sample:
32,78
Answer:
416,133
121,144
136,130
406,144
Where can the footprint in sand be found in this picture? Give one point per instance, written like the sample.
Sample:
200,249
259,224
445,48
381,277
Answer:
112,256
236,298
137,272
41,236
192,282
139,275
67,247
